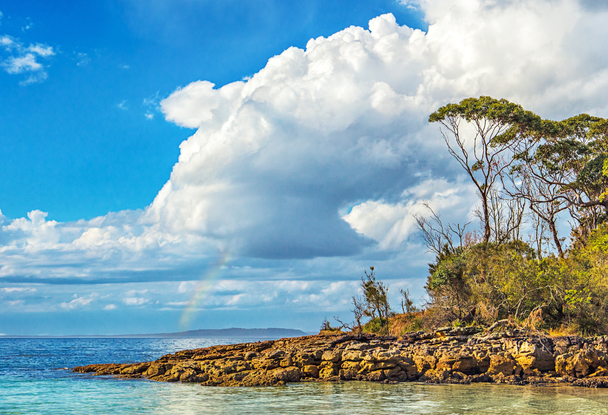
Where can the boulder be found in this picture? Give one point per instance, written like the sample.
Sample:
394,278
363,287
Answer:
310,371
288,374
502,363
332,356
328,370
424,363
580,364
533,356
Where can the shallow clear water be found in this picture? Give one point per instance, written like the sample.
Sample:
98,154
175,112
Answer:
32,381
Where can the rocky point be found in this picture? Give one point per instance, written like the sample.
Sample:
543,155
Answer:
449,355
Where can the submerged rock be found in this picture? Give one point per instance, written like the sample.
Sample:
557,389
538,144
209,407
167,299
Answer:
446,356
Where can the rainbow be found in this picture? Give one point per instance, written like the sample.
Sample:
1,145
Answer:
202,288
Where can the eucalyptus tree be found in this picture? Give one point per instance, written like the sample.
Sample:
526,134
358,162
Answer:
543,197
485,151
539,183
566,169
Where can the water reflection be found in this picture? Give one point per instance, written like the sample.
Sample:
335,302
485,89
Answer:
28,386
94,395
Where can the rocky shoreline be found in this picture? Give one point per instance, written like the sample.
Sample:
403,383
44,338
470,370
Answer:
449,355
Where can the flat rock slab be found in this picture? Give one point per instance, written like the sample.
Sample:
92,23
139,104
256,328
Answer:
460,355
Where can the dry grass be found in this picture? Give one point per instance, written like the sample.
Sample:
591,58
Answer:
403,323
330,332
562,331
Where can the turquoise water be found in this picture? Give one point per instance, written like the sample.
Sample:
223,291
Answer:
32,381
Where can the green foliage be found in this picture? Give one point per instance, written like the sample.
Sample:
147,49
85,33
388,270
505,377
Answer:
551,167
507,280
604,195
326,327
407,305
484,107
375,295
598,240
376,326
408,322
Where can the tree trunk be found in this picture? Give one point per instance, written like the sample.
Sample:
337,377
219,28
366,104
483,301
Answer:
556,240
486,218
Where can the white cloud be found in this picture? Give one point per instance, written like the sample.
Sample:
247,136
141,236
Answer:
135,292
7,42
82,58
20,64
77,302
304,295
28,25
41,50
390,224
123,105
16,303
325,152
185,286
110,307
34,78
17,289
275,157
199,103
151,105
19,59
177,303
135,301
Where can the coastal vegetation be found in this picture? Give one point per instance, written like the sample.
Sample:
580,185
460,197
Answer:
491,295
540,256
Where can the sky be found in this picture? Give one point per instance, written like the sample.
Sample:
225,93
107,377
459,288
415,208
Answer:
173,165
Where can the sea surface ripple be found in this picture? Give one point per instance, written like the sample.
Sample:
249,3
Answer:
34,379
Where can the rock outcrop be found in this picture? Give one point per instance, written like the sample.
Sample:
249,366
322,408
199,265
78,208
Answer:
450,355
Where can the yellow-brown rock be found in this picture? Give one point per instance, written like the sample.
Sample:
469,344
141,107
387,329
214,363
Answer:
461,355
502,363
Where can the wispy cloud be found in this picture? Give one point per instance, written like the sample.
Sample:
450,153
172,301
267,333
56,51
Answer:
20,64
28,25
77,302
82,59
135,301
41,50
151,105
16,303
310,169
17,289
410,4
16,58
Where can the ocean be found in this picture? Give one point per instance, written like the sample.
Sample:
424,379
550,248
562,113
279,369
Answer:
34,380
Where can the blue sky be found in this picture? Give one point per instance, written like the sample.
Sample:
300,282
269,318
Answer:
78,144
247,160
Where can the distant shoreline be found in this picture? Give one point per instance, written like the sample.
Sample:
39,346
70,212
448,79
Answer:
265,333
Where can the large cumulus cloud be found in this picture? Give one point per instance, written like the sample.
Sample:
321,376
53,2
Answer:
343,122
326,152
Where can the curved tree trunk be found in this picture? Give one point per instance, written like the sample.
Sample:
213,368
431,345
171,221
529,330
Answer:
556,240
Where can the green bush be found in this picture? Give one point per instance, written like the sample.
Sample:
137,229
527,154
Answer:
493,281
375,325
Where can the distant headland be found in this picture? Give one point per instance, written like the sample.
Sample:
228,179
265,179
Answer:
239,333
